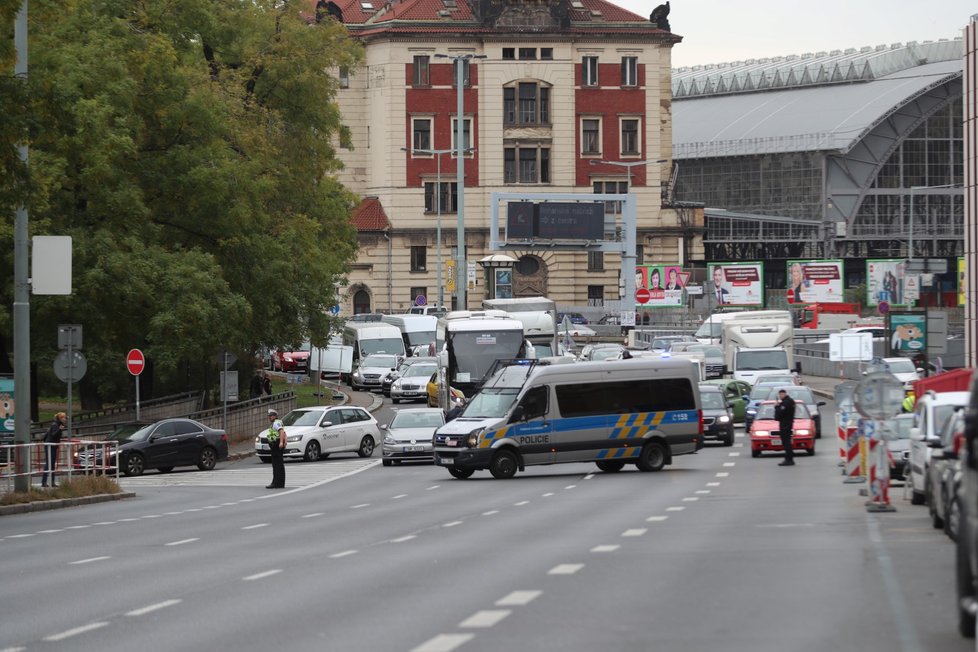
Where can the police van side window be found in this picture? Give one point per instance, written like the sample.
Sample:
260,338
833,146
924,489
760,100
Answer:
622,397
534,403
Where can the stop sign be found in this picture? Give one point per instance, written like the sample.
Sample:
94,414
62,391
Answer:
135,362
642,295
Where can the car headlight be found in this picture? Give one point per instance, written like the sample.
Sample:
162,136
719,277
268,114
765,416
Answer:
356,374
474,437
724,419
293,438
287,357
803,432
762,433
257,439
396,383
750,411
390,441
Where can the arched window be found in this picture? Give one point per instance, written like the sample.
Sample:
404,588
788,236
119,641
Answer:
361,302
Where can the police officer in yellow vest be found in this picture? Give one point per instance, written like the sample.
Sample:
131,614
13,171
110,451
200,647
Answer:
909,401
276,443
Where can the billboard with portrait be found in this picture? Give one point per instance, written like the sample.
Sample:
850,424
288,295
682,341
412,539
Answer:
815,281
664,283
884,282
736,284
7,402
909,333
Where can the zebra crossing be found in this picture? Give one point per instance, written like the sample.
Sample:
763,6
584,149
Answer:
249,474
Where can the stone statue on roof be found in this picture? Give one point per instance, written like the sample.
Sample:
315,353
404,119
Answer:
660,16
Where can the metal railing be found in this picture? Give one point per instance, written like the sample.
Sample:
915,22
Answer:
74,457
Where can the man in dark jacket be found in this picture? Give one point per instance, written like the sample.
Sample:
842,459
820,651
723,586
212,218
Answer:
784,413
52,438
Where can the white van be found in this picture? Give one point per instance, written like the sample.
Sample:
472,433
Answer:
931,412
416,330
641,411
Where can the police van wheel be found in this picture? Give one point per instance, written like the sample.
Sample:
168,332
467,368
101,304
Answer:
503,465
653,457
461,474
610,466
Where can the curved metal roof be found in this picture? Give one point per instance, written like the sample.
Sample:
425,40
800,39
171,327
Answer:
803,104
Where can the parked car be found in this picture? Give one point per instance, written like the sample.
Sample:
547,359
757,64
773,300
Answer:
413,384
369,374
162,445
408,437
315,433
718,422
292,361
575,318
944,476
904,369
764,431
930,413
737,393
897,435
966,551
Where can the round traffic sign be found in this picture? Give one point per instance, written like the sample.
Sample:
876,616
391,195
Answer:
135,362
420,300
642,295
70,369
879,395
883,307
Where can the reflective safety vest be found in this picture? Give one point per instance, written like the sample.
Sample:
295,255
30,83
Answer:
273,432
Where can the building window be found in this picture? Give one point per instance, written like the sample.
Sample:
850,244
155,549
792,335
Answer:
421,133
595,295
589,71
590,136
419,258
629,137
639,254
465,72
528,53
611,188
527,265
629,71
547,54
466,134
509,53
418,292
526,164
595,261
421,71
344,77
449,197
532,107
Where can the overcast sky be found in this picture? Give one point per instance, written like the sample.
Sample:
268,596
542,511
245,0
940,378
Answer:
716,31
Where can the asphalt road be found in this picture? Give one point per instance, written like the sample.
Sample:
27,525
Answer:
718,551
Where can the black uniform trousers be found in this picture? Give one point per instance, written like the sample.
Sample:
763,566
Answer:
789,453
278,464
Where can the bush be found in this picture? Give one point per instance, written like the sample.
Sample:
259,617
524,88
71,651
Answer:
76,487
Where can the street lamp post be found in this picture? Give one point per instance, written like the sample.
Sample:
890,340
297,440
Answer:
460,268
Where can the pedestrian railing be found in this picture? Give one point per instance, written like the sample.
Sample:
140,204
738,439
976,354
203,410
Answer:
74,457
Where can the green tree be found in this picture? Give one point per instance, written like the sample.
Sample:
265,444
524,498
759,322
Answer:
188,147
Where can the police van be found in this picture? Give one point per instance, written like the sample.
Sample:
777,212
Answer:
641,411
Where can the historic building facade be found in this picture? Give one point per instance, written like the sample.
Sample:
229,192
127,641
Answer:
560,96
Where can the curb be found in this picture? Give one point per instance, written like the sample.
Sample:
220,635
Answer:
46,505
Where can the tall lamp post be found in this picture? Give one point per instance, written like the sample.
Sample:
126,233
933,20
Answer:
460,268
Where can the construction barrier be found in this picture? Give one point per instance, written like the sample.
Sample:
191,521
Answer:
854,467
879,473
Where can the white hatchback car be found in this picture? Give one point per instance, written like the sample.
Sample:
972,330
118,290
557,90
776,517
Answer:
932,410
315,433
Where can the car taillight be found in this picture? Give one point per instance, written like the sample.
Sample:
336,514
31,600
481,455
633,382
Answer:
957,444
699,414
224,436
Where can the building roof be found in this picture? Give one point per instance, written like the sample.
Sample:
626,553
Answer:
813,102
369,215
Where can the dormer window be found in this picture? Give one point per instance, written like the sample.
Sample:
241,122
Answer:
366,5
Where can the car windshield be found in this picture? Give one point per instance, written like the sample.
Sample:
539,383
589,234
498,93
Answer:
605,354
131,432
942,412
426,419
708,329
802,394
905,366
710,352
901,427
766,411
302,418
388,361
491,403
416,370
384,345
748,360
761,392
786,380
712,401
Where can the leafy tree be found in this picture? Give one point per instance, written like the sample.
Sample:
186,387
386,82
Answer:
188,147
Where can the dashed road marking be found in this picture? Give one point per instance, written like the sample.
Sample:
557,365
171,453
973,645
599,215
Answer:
606,548
548,494
360,506
444,643
722,475
521,503
656,519
730,464
345,553
432,487
733,454
181,542
565,569
313,515
262,575
20,536
452,523
485,618
634,532
490,512
690,499
88,561
77,527
407,537
398,496
570,486
703,491
54,638
712,484
675,508
49,531
255,526
518,598
153,607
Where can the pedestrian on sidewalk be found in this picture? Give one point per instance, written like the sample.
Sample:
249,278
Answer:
276,445
784,413
266,383
257,387
52,439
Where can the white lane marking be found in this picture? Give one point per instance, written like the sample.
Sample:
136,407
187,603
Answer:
733,454
360,506
13,649
712,484
153,607
194,509
606,548
49,531
722,475
404,538
656,519
690,499
570,486
207,507
565,569
398,496
313,515
130,520
20,536
165,514
161,516
783,525
247,500
262,575
589,476
255,526
345,553
444,643
87,561
452,523
518,598
54,638
490,512
181,542
433,487
548,494
634,532
738,445
521,503
730,464
113,522
703,491
485,618
227,504
675,509
77,527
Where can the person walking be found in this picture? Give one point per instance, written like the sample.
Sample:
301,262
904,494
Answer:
784,413
266,383
52,439
276,444
257,387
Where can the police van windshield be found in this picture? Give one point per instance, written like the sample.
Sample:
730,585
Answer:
490,403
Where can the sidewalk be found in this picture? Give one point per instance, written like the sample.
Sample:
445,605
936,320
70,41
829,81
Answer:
366,400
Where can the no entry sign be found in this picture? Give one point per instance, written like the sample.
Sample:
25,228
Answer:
135,362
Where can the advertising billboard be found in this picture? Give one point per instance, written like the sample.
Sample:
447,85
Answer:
664,283
736,284
909,333
815,281
6,405
884,282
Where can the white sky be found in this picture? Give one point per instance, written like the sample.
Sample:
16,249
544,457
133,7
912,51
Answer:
717,31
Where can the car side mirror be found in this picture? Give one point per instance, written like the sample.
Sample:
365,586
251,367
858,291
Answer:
820,403
915,434
384,426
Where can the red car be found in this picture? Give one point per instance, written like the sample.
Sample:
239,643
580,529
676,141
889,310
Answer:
291,361
764,430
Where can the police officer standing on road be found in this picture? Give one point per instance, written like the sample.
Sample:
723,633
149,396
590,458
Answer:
784,413
276,444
